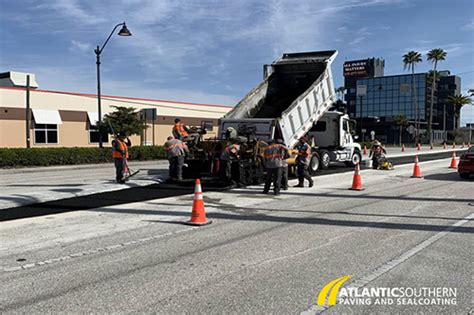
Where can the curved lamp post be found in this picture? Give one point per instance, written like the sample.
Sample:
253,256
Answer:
123,32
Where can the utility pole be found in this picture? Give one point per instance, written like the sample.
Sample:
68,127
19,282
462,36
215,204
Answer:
27,117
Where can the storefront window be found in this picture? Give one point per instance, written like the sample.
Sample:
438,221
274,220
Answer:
46,134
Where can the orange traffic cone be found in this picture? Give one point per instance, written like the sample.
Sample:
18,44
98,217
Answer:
357,180
419,146
403,148
416,169
365,149
198,215
454,145
454,163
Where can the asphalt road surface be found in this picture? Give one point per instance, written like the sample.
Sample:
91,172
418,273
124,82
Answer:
261,254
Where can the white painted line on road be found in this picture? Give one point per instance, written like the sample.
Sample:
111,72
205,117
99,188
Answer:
366,279
95,251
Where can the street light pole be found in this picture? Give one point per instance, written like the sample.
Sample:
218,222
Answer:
123,32
361,118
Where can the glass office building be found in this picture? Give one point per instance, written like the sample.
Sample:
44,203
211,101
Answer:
391,96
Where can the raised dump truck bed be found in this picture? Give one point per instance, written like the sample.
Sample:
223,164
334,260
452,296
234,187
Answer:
296,91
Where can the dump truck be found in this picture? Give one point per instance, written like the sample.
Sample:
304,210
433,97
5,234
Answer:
295,99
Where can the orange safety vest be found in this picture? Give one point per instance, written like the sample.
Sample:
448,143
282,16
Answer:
273,151
123,147
179,128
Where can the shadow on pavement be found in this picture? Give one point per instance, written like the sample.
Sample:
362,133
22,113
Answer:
448,177
135,194
298,220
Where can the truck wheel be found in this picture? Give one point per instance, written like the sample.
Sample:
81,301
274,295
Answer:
325,159
314,164
355,159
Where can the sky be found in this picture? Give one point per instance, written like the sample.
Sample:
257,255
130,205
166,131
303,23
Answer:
213,51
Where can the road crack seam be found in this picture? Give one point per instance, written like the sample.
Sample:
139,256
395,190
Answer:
94,251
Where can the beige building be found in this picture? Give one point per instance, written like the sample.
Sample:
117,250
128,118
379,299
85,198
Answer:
66,119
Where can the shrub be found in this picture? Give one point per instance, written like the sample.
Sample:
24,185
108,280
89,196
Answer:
22,157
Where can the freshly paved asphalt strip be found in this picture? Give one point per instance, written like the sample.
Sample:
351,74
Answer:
262,254
58,197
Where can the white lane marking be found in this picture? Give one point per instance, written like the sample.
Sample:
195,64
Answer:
366,279
94,251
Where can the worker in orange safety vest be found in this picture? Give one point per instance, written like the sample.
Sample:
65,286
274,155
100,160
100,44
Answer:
230,157
183,133
176,151
273,155
120,155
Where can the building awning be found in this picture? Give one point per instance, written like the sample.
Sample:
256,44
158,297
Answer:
93,118
47,116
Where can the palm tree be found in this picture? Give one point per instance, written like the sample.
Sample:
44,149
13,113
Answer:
409,60
458,101
401,120
340,90
434,55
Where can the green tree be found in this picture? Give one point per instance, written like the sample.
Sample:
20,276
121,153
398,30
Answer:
434,56
458,101
410,59
402,121
124,119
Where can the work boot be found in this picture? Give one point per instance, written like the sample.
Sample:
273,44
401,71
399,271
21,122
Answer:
265,192
311,184
299,185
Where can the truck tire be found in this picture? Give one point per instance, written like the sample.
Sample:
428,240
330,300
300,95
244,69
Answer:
314,164
355,159
325,159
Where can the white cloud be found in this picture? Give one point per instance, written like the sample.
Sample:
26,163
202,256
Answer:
80,46
72,9
428,45
469,26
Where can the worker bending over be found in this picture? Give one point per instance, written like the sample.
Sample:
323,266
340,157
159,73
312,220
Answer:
120,155
302,162
176,150
274,154
230,157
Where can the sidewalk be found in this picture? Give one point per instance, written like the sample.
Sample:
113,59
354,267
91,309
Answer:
25,186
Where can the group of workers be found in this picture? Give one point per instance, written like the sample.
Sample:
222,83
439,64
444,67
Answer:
276,155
